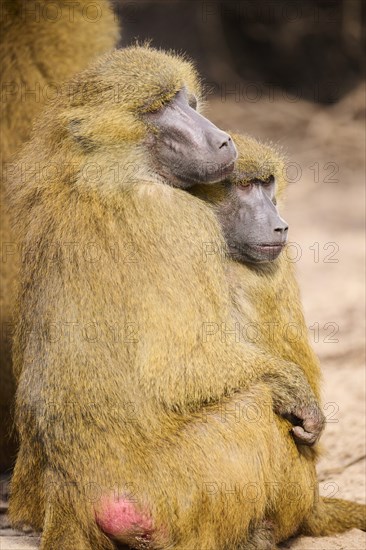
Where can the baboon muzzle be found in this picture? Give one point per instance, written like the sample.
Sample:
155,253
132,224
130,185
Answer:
189,149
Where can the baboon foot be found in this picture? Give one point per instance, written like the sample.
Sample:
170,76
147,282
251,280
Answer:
261,538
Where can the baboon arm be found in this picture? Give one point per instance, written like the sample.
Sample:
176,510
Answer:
187,387
198,381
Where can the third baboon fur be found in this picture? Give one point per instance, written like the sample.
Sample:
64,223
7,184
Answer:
42,45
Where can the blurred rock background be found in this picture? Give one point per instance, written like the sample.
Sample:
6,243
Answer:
313,49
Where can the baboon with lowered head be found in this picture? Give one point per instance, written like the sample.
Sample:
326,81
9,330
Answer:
267,303
136,415
42,45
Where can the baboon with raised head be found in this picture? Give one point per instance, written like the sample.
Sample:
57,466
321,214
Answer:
137,416
247,207
42,45
267,301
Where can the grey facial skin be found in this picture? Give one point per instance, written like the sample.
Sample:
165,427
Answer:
253,228
187,148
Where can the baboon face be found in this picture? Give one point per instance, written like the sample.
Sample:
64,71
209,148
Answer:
246,203
253,228
186,147
141,106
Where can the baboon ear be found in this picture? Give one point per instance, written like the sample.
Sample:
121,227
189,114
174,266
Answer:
78,132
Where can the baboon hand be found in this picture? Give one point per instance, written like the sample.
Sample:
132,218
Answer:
308,423
294,399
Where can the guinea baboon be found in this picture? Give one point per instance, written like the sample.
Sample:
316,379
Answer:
42,45
267,301
247,207
119,392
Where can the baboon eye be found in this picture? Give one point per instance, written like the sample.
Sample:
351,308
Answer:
192,100
268,181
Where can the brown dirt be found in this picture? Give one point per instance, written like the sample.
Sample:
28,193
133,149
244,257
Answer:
332,285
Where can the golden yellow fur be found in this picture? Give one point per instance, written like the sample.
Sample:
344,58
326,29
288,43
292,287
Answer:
42,45
143,406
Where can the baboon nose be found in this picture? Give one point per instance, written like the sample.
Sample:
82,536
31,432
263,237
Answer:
282,228
227,150
221,147
226,142
220,140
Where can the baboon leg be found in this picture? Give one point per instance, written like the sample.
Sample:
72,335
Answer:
334,515
65,536
65,531
238,472
241,472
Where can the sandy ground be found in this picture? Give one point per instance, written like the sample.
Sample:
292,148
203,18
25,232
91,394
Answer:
325,210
